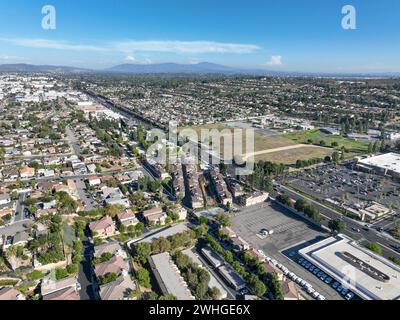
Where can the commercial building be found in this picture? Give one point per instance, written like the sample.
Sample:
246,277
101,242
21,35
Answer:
385,164
367,274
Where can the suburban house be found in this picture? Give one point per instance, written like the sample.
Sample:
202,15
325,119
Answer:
5,198
103,228
5,212
94,181
11,174
114,196
27,172
65,289
182,212
114,265
118,289
155,215
10,294
127,218
112,247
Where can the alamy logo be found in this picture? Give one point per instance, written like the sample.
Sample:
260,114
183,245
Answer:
49,20
349,21
211,147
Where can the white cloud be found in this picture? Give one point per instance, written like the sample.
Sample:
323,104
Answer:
275,61
185,47
131,46
130,58
52,44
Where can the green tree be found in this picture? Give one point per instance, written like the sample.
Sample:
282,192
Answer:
142,252
336,225
374,247
143,277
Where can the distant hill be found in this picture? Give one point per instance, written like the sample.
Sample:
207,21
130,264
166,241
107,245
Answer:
204,67
40,68
176,68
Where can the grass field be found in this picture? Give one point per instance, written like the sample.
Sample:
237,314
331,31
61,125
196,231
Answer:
292,155
354,147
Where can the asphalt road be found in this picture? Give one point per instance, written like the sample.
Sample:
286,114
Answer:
85,272
354,229
80,186
73,141
14,228
19,212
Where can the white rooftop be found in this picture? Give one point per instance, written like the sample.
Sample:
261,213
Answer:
327,255
388,161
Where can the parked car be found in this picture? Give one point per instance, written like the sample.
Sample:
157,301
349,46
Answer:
349,296
315,295
310,290
335,285
244,291
328,280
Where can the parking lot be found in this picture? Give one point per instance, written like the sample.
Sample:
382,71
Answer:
344,185
289,231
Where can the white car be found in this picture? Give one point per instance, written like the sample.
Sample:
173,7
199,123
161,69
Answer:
315,295
310,290
321,297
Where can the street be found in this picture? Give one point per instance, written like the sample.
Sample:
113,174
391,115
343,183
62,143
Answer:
354,229
85,272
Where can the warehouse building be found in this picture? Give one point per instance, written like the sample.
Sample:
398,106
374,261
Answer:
367,274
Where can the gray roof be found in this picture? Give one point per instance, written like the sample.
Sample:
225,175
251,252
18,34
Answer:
4,196
112,248
168,277
118,289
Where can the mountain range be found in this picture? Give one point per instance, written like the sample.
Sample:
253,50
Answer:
174,68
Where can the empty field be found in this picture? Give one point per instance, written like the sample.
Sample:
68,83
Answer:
290,156
316,136
261,142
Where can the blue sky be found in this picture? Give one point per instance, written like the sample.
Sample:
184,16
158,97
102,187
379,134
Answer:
291,35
